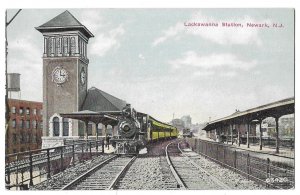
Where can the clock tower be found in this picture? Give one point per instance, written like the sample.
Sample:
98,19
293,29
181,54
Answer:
65,72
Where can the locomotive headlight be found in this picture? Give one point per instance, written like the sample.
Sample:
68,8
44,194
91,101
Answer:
126,128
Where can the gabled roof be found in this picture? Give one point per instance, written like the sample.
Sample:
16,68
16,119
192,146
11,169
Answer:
64,21
100,101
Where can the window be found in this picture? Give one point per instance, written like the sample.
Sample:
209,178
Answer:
27,111
55,126
15,138
13,110
14,123
14,150
21,138
21,110
33,139
34,124
73,46
41,112
65,127
34,111
27,138
41,125
65,42
21,124
27,124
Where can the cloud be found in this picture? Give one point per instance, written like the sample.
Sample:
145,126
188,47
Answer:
169,33
203,73
25,48
105,42
25,58
93,20
226,60
220,35
141,56
106,38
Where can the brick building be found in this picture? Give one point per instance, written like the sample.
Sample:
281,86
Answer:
25,126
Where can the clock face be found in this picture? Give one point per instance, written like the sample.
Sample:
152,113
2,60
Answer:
82,76
59,75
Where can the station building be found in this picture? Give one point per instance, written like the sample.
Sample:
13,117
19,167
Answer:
25,126
65,82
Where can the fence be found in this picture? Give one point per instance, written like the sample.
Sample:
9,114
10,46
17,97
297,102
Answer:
259,170
266,141
31,167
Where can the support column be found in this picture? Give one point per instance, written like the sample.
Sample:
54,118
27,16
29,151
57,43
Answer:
61,127
97,133
260,135
104,131
227,134
238,131
112,130
247,128
231,132
86,125
277,135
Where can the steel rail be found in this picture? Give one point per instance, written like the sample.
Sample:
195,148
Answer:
115,181
174,172
79,178
237,170
213,178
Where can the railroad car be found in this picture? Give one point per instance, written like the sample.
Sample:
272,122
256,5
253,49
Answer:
137,129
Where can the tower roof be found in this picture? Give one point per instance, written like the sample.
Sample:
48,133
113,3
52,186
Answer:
63,22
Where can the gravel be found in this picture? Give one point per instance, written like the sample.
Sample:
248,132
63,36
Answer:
57,181
150,173
227,176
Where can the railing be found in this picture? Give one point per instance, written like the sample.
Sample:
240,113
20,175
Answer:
266,141
259,170
31,167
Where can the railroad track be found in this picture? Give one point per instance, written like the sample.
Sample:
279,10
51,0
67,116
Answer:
187,173
103,176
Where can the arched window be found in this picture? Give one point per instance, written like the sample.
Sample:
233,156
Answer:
55,126
65,127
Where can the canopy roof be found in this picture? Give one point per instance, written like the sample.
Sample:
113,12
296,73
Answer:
274,109
107,118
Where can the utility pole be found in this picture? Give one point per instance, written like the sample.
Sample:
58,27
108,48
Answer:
6,81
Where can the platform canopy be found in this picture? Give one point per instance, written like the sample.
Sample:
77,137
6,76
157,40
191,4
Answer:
106,118
274,109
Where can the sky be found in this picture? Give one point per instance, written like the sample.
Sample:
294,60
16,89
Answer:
152,60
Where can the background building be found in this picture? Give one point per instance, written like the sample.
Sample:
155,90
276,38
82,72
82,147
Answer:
187,121
25,126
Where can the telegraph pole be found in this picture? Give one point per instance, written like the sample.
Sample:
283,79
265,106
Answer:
6,83
6,86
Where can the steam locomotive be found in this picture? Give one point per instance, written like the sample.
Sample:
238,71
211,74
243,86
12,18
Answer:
137,129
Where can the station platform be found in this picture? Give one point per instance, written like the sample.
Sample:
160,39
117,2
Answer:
285,157
109,150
